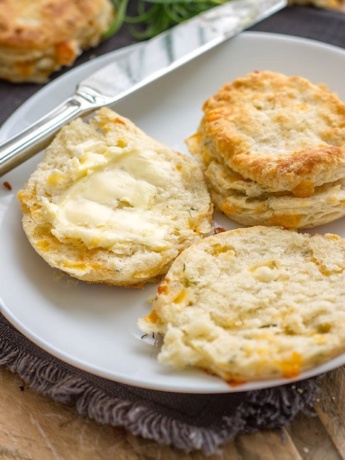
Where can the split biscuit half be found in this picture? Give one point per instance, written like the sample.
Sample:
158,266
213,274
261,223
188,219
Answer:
252,304
108,204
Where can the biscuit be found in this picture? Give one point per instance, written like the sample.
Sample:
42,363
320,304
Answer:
253,303
38,38
108,204
267,135
249,204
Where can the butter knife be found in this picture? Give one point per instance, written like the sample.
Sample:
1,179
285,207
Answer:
142,65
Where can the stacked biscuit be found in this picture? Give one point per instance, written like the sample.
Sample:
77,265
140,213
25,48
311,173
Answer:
39,37
273,150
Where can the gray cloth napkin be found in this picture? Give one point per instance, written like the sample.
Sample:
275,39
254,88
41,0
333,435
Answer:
187,421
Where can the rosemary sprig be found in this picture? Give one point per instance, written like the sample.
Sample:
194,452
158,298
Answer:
155,16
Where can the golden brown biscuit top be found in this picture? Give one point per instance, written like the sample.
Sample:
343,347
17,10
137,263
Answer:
40,23
282,132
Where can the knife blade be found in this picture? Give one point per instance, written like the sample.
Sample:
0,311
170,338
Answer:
141,66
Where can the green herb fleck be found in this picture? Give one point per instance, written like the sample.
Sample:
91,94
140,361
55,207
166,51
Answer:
187,282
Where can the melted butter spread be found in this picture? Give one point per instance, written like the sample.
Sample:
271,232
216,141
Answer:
113,199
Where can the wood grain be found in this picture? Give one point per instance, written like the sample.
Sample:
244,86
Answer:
33,427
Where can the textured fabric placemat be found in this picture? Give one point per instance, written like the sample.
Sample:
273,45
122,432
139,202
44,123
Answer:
185,421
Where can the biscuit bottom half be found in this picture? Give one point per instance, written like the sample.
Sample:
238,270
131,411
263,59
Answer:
253,303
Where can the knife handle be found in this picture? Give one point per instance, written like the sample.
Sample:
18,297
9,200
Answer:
38,136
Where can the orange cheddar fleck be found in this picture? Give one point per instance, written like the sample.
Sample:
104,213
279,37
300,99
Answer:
119,121
286,220
304,189
292,367
163,288
152,317
25,69
65,53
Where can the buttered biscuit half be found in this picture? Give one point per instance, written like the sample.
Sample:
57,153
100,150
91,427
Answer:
41,36
109,204
273,150
253,303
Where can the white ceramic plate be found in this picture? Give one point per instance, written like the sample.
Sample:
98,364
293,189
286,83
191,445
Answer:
94,327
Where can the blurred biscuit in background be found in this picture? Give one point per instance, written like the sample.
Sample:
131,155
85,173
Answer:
37,38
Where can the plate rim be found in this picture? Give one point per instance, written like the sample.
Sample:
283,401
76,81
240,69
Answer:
95,370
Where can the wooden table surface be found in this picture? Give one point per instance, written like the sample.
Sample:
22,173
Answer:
33,427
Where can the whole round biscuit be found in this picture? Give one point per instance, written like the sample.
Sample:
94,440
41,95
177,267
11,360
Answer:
38,37
283,133
108,204
253,303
